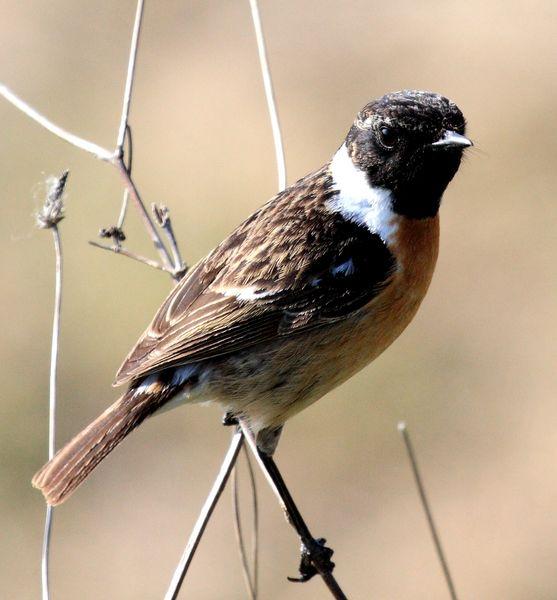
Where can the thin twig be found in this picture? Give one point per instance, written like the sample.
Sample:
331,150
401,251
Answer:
48,217
90,147
162,216
204,516
269,94
116,157
126,195
403,430
142,259
103,154
129,78
250,578
255,526
147,222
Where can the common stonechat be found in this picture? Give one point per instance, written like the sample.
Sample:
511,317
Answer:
307,291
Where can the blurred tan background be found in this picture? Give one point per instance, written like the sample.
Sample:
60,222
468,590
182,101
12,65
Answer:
474,375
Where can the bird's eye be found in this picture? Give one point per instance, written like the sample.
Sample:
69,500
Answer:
387,137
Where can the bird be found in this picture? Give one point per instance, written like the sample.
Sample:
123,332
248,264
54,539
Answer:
307,291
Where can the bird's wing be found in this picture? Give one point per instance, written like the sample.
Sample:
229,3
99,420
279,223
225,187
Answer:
293,265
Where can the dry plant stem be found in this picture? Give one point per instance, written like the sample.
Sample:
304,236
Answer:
116,157
162,217
126,196
251,579
294,517
142,259
103,154
72,139
149,225
403,430
52,404
269,94
129,78
204,516
176,256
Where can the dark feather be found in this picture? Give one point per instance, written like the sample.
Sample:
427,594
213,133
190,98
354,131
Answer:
303,265
59,477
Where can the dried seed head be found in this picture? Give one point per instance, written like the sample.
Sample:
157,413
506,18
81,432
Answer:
52,211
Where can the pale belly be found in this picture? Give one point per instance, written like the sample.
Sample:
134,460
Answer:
270,384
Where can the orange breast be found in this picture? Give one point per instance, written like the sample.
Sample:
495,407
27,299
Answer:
416,246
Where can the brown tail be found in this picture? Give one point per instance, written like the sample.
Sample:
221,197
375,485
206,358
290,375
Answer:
61,476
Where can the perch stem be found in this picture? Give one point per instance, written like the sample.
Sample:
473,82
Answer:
204,516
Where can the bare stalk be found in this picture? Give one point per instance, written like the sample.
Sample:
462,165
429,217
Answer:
147,222
58,131
269,95
403,430
162,216
48,217
126,195
251,582
116,157
103,154
129,78
142,259
250,578
204,516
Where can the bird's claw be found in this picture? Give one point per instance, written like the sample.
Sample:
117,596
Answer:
317,554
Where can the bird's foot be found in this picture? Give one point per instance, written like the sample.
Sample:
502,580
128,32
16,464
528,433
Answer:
315,557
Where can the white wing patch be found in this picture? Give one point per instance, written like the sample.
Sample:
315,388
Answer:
360,202
245,293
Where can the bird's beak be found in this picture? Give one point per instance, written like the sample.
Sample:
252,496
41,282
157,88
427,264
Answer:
451,139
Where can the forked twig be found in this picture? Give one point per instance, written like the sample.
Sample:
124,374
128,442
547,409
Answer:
403,430
115,158
204,516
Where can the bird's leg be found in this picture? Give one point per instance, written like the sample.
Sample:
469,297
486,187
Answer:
315,556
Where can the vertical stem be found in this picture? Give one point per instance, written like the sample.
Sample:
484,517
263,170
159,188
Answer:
129,77
52,404
403,430
269,94
250,578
